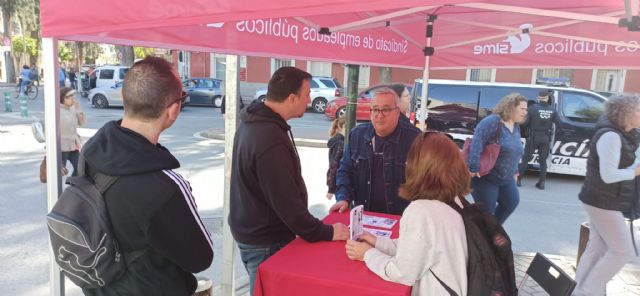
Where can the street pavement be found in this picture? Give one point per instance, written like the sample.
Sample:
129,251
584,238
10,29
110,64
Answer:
545,221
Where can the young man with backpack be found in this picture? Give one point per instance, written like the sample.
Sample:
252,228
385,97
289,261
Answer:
149,218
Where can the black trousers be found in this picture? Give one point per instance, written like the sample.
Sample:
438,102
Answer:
541,142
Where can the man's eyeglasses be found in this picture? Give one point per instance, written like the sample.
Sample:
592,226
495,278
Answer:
382,111
181,99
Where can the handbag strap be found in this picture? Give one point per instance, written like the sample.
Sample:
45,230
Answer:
449,290
496,134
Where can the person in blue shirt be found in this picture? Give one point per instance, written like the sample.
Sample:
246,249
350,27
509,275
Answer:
25,77
373,163
62,76
497,191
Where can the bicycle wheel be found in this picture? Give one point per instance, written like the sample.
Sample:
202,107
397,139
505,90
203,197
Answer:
32,92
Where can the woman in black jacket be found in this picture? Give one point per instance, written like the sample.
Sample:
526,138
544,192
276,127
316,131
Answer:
336,147
609,193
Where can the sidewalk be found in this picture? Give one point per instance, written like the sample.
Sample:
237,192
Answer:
626,282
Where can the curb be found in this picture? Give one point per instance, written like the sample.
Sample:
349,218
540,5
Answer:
301,142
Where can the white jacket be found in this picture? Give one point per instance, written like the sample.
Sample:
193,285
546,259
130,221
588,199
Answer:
432,236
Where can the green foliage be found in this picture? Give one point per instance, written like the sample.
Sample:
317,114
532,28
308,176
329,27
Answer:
24,44
64,51
142,52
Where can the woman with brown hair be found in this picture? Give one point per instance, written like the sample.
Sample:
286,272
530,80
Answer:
497,191
432,244
71,116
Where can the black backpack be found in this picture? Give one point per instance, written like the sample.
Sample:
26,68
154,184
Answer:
81,234
490,269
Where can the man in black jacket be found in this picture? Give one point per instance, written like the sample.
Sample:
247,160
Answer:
152,210
539,122
269,202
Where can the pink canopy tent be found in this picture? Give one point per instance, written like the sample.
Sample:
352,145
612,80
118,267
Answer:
386,33
466,34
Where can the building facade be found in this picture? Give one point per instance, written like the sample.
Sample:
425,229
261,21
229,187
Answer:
258,70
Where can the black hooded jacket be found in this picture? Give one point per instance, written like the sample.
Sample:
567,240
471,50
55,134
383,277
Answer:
151,210
269,202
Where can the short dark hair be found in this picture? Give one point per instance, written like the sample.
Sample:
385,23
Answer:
285,81
63,93
150,86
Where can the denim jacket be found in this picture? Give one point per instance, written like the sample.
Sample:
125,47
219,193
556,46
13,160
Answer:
354,175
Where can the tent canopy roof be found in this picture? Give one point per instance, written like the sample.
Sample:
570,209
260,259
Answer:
544,33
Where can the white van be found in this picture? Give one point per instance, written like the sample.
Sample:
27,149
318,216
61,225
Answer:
107,76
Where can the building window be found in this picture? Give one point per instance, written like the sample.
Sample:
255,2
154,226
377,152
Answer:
482,75
219,66
608,80
364,77
319,68
279,63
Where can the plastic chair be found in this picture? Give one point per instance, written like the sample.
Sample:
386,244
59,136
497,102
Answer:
549,276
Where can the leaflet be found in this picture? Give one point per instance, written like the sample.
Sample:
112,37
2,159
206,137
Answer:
378,232
355,222
381,222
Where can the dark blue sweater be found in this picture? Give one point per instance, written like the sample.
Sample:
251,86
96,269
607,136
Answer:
511,149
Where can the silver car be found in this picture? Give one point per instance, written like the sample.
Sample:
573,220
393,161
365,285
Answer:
323,90
103,97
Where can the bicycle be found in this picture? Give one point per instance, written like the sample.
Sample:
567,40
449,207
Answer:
30,90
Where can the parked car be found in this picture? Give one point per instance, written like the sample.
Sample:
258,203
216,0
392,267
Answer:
455,107
107,76
104,97
338,106
323,90
204,91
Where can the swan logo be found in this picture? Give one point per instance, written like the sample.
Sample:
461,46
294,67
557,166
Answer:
514,44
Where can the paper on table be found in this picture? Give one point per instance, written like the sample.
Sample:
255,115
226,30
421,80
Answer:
379,221
378,232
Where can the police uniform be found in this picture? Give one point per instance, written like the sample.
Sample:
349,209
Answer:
539,123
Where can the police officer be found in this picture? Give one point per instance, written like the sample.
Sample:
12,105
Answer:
539,123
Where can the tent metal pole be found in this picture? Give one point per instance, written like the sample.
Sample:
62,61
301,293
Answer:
52,138
428,52
541,12
230,123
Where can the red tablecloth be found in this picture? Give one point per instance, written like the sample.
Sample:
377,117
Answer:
322,268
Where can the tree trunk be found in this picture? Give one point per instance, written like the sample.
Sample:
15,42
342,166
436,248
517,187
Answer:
8,57
127,55
385,75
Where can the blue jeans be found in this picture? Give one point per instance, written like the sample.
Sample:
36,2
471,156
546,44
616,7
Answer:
72,157
498,197
253,255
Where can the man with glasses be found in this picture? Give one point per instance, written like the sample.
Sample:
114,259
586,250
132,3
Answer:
151,207
373,163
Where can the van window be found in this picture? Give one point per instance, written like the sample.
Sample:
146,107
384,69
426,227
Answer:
452,107
581,107
313,84
123,71
106,74
328,83
491,95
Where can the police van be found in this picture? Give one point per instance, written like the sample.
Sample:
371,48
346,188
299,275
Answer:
456,107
